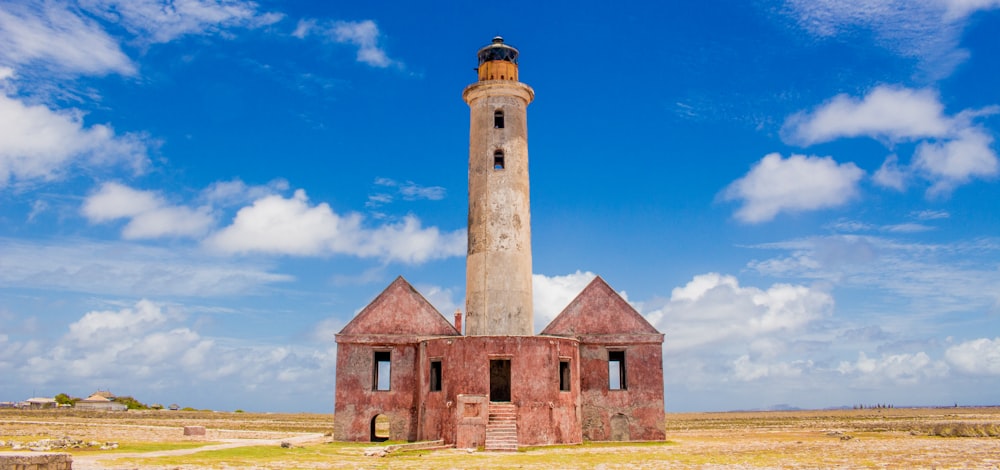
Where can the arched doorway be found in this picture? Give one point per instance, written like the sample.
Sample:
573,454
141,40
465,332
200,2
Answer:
619,428
380,428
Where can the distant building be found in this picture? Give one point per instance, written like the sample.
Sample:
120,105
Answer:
99,402
40,403
404,372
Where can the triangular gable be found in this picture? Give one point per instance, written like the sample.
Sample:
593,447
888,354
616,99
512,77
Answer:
598,310
400,310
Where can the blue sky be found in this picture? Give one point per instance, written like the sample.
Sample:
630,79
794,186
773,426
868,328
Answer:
802,195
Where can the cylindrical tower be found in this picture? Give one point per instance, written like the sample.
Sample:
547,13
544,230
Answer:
498,264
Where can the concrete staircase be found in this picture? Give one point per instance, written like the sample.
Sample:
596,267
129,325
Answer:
501,430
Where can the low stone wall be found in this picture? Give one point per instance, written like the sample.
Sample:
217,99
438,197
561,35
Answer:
35,461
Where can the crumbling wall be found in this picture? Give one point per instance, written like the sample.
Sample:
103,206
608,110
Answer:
35,461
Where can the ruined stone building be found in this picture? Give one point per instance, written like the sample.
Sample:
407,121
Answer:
594,373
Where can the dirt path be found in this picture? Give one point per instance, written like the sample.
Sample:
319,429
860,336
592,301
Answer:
97,461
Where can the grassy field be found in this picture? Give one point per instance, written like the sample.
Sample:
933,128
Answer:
883,438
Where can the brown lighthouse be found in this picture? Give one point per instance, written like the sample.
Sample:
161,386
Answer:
404,372
498,267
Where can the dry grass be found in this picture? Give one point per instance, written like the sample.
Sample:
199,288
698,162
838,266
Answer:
893,438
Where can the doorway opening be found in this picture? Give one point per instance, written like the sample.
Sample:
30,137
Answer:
499,379
380,428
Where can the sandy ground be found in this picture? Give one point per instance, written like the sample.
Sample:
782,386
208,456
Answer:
843,439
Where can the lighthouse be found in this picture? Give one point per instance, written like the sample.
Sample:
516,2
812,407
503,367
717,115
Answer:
594,373
498,263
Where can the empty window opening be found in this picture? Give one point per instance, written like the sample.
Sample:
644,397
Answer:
381,372
498,119
498,163
380,428
564,376
435,381
616,370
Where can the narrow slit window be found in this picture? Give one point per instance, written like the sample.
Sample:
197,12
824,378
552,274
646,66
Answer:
381,372
564,376
498,119
435,379
498,163
616,370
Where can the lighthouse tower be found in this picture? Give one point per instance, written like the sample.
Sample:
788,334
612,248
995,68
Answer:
498,264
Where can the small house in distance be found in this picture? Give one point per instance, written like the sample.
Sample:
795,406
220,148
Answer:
100,402
405,372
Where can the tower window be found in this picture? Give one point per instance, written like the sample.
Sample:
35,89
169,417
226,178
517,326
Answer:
435,379
498,163
564,376
381,371
498,119
616,370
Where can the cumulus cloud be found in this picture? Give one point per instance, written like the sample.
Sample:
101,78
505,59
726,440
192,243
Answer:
157,21
926,31
746,370
955,162
976,357
276,225
149,215
893,368
41,144
713,308
798,183
152,349
53,35
364,35
891,113
551,294
952,150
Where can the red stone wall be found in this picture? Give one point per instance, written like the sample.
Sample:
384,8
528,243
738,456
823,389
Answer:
357,403
546,415
640,404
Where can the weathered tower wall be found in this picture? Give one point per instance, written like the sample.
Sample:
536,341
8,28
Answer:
498,266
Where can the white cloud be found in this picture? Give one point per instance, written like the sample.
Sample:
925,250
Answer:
551,294
951,163
958,9
896,114
127,270
236,192
746,370
713,308
798,183
38,143
292,226
928,31
929,279
976,357
159,21
408,190
893,368
959,152
149,215
891,175
364,35
54,35
150,350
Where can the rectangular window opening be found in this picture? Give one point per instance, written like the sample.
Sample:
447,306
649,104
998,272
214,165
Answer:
498,119
435,379
616,370
381,372
498,163
564,376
